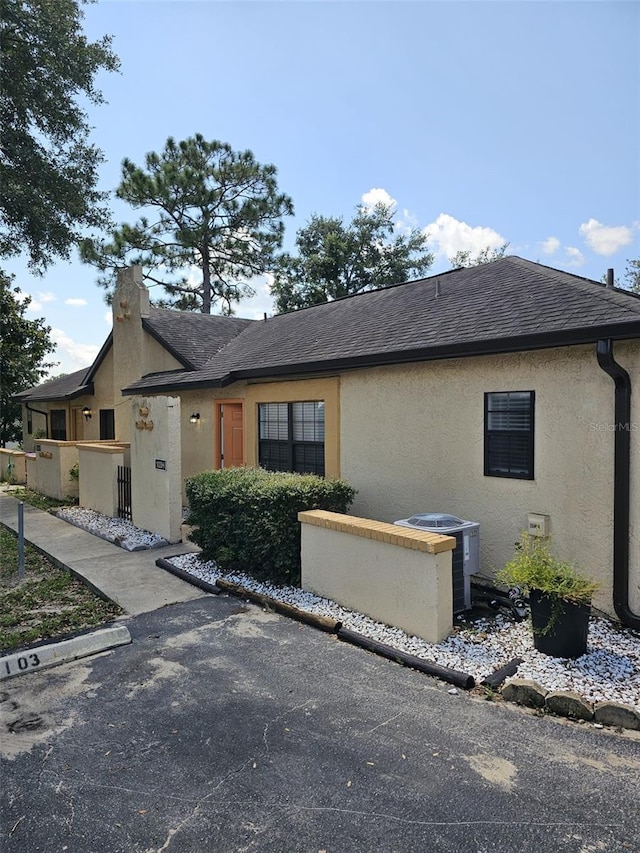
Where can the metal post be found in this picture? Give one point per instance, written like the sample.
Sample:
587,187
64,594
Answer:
21,541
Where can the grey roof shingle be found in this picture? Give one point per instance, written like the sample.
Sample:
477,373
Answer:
193,338
507,305
66,387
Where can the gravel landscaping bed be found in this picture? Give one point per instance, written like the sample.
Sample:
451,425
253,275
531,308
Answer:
116,530
610,671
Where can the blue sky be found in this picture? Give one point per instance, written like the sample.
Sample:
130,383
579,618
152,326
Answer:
485,122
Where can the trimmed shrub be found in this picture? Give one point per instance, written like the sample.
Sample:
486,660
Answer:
246,519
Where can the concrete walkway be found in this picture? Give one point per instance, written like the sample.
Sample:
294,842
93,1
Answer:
131,579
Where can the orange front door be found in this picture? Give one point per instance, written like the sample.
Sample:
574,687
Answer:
231,433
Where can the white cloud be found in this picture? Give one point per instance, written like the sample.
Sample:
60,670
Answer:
377,195
575,258
75,302
550,245
606,239
72,355
255,307
448,235
40,298
108,317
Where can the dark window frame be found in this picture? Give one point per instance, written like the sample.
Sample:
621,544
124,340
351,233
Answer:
291,454
57,433
505,437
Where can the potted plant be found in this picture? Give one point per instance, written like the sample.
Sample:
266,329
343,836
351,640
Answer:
559,595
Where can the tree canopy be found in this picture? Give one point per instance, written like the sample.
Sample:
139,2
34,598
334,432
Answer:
335,259
466,258
48,166
205,207
24,345
632,275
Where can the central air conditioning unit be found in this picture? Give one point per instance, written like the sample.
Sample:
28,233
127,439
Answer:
465,558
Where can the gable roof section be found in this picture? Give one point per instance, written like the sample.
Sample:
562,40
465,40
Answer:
505,306
65,388
193,339
190,338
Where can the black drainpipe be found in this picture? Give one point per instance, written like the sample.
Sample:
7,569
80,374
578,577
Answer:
40,412
621,483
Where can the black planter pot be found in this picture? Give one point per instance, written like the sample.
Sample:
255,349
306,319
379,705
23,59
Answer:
567,636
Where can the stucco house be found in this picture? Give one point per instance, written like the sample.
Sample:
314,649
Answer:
491,392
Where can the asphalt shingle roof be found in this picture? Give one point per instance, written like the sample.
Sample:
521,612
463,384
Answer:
194,338
507,305
71,385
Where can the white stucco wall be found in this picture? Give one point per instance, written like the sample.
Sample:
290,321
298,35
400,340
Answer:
48,471
156,476
412,440
387,576
98,477
135,352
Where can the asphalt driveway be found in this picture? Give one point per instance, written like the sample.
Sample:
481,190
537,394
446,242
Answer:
223,727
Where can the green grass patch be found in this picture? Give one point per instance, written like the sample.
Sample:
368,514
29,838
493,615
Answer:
28,496
47,603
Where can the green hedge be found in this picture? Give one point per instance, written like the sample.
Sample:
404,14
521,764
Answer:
246,519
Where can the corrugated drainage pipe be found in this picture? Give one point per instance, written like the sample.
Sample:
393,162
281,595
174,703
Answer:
621,483
451,676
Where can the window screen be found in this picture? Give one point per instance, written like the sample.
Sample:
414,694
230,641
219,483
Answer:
508,443
291,437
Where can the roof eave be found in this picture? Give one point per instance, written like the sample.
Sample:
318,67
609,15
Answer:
497,346
47,398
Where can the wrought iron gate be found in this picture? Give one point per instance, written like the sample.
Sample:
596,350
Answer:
124,492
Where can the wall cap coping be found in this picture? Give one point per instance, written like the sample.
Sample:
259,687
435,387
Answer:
10,452
103,448
415,540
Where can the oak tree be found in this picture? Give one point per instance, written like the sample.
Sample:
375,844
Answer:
24,345
48,166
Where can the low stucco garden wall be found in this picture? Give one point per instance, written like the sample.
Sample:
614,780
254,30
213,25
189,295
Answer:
48,469
398,576
13,466
98,476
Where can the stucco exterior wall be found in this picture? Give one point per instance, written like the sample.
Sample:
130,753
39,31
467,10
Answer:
135,352
48,471
156,476
199,439
98,476
300,390
399,577
412,440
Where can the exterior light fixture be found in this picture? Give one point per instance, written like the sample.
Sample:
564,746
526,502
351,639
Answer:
195,418
87,413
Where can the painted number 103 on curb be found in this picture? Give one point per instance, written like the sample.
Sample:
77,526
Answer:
20,664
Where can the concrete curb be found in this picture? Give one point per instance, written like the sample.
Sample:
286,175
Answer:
42,657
